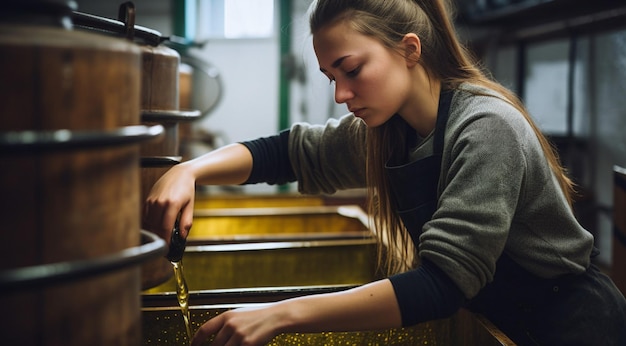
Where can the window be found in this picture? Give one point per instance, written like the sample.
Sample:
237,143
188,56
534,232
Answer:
235,18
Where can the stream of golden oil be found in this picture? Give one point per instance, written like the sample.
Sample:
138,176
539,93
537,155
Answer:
182,293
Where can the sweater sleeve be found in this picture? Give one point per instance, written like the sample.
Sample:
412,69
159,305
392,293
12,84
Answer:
483,178
330,157
426,294
270,160
499,195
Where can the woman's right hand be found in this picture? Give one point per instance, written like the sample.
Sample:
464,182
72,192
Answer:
173,195
171,198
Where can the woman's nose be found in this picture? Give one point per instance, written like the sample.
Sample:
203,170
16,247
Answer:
342,92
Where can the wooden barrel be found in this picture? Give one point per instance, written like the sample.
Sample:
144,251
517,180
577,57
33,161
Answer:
159,95
160,99
76,203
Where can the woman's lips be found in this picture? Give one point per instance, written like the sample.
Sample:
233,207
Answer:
358,112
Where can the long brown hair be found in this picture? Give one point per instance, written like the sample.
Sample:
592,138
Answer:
446,59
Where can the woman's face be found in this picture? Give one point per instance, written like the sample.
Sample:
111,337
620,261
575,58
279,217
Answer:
371,79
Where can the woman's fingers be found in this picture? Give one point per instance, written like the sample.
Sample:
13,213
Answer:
209,328
245,326
170,215
171,197
186,218
160,217
152,218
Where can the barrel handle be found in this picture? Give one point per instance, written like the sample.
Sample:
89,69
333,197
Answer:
16,142
62,272
126,15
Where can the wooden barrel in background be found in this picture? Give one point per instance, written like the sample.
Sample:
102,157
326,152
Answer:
159,95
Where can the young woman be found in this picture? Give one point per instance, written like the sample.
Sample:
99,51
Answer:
458,176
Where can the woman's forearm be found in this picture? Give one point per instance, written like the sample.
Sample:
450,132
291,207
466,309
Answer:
228,165
369,307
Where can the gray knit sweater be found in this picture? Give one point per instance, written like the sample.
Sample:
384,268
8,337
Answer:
496,191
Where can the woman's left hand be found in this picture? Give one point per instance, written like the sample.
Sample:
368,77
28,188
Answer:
246,327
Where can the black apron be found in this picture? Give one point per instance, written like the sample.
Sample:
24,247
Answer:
584,309
414,185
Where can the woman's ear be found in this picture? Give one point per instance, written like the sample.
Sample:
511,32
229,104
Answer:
412,47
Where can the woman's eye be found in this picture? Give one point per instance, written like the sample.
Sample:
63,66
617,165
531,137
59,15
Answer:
353,73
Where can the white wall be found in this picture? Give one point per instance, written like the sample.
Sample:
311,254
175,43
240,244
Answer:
249,71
